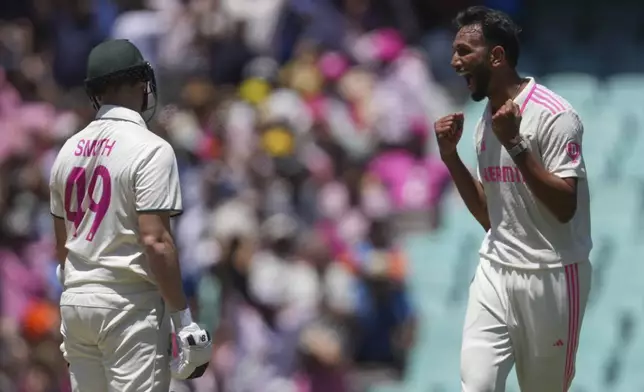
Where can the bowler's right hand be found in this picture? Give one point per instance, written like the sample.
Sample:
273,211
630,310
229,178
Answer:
449,130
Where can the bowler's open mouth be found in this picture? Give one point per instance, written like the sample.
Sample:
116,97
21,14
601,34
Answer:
468,78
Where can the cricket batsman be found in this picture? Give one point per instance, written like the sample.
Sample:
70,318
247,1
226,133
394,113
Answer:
114,187
529,293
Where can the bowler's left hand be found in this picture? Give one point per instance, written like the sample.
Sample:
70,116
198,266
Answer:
506,122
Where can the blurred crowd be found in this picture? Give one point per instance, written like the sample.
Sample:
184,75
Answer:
302,133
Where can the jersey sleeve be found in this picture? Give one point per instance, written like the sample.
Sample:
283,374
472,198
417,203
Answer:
56,202
561,145
156,182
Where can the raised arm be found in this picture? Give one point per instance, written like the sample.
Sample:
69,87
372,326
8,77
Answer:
449,130
470,189
554,182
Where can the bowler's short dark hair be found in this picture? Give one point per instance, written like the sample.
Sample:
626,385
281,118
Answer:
497,27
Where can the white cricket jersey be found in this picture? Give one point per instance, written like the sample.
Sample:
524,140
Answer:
102,177
523,232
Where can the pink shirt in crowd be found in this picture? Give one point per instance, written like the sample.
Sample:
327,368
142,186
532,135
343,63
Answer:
411,183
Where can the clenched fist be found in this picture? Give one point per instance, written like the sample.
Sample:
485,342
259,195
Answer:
506,122
449,130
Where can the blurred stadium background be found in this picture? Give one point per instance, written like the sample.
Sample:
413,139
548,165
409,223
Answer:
320,244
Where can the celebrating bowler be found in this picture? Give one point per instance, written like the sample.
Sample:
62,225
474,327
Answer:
529,293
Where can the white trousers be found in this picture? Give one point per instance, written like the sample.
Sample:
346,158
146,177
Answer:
528,317
116,343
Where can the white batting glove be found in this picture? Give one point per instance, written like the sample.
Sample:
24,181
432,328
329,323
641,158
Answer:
194,347
60,274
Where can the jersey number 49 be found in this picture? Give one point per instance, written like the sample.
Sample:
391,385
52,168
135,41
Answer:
77,181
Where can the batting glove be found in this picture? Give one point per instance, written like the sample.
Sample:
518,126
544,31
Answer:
194,346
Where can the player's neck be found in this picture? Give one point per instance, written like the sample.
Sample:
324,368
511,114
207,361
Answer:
121,104
507,88
123,99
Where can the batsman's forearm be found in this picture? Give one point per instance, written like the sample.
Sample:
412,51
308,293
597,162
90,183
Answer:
469,188
557,195
60,233
164,265
61,255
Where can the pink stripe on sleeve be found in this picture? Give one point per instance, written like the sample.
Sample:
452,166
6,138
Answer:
525,102
543,103
548,96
